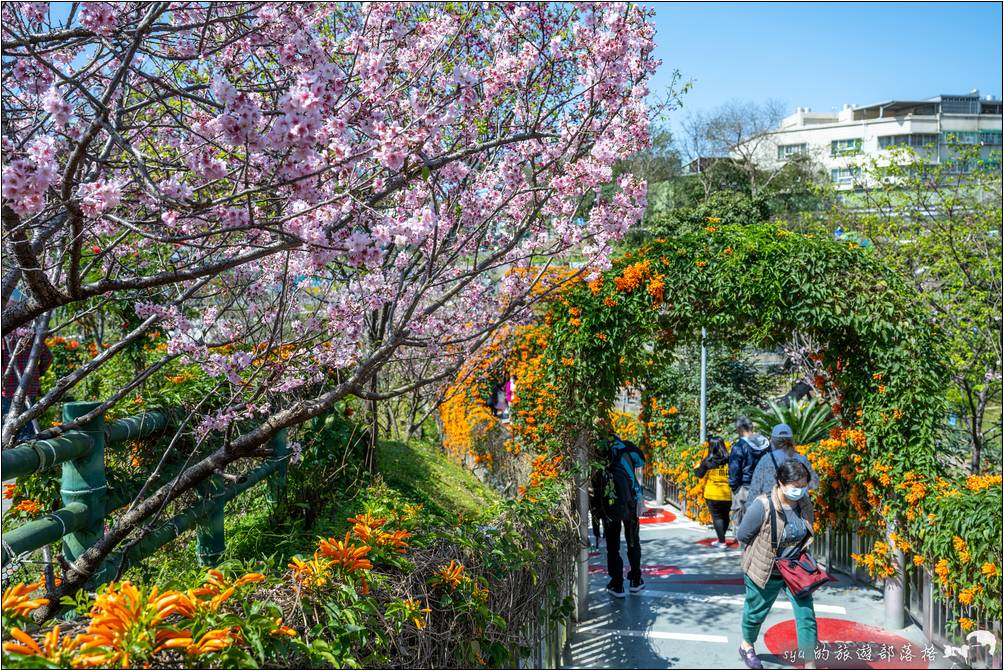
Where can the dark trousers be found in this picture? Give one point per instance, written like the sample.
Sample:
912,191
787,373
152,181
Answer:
615,565
720,516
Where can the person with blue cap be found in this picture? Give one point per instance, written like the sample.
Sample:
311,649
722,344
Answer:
783,448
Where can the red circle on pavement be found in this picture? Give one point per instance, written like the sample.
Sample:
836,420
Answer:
730,542
657,570
653,516
845,644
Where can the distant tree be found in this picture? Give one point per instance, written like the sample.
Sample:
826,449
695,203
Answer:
939,225
743,131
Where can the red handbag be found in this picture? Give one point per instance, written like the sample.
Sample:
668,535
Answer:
802,575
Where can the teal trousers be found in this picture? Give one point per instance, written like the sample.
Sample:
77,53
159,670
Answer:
758,604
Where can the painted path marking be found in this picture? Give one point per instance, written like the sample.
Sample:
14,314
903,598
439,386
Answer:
722,599
651,634
849,645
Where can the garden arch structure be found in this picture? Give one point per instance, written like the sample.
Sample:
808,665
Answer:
756,284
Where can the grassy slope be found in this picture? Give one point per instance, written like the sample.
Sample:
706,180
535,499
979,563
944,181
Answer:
416,472
422,473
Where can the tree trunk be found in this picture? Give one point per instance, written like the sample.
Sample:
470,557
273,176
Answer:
370,460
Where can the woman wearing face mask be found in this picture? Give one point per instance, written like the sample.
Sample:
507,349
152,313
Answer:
793,516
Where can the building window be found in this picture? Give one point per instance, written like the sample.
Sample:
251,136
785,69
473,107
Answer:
786,151
910,140
990,138
958,167
844,175
960,137
845,147
960,105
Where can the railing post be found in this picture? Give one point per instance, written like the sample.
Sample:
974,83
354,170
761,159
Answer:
894,606
855,549
660,492
277,483
210,534
582,561
83,480
927,604
829,549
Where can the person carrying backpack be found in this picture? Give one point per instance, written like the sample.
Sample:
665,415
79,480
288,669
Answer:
743,460
617,493
717,494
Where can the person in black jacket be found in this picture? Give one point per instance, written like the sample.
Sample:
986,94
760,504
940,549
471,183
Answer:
746,453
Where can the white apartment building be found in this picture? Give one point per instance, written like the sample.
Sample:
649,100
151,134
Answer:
838,141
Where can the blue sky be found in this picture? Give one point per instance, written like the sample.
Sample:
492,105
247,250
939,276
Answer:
821,55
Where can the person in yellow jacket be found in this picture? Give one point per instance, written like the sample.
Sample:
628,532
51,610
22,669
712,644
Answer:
717,492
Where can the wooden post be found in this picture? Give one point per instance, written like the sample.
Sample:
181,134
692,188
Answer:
280,454
210,533
83,480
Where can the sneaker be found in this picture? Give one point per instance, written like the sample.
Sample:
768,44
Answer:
716,544
636,585
749,658
616,590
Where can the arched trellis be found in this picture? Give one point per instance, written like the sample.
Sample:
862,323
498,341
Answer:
756,284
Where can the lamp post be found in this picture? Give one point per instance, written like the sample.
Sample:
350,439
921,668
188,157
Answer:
704,386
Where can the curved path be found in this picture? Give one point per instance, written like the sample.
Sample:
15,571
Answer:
688,616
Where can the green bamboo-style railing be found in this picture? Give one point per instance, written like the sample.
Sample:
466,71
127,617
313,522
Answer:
87,500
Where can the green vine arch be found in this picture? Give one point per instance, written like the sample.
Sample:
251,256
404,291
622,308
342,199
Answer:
756,284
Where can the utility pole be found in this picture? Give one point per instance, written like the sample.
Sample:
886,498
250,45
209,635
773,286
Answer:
704,386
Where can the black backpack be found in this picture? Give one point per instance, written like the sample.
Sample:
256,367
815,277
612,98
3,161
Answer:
614,497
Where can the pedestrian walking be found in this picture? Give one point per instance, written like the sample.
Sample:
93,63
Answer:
765,474
617,495
717,494
743,460
777,525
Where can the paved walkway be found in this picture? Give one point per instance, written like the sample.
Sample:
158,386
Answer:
689,614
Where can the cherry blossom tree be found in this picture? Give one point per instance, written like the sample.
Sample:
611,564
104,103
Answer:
302,194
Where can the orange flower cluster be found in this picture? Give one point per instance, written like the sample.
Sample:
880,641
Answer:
535,407
128,625
29,506
8,490
544,468
656,289
464,414
977,483
370,530
914,487
59,651
633,275
596,286
451,574
625,425
17,600
961,548
416,613
967,595
344,554
879,562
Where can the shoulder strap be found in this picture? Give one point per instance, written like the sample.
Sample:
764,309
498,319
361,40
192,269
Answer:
773,520
773,460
